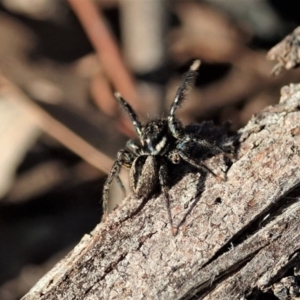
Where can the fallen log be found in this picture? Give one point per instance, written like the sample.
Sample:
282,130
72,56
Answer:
235,238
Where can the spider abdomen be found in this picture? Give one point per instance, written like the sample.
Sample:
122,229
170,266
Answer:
143,175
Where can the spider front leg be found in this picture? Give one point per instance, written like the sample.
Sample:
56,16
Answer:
124,158
136,123
174,125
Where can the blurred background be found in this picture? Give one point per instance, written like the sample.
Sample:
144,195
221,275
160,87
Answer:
60,126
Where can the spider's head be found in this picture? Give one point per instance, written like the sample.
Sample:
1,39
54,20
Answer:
155,137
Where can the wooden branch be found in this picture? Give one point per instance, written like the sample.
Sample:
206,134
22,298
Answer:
286,52
234,237
106,47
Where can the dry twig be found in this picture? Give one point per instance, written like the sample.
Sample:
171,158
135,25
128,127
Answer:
106,47
286,52
54,128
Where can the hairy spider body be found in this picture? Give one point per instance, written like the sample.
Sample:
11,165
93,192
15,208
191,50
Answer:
159,142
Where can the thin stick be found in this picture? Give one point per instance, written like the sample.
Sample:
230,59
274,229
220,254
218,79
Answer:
106,47
56,129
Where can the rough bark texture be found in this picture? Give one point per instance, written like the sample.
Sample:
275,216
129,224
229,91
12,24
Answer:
286,52
235,239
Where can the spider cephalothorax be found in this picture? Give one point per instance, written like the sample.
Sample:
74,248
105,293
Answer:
159,142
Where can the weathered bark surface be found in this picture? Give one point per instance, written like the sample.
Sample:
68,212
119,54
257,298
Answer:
234,237
286,52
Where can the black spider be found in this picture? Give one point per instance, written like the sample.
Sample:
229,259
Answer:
159,141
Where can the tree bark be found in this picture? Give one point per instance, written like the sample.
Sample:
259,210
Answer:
236,237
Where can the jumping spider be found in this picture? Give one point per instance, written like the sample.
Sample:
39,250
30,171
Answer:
159,141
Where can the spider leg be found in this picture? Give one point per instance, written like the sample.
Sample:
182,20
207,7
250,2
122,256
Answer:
123,159
195,163
174,125
202,143
134,147
136,123
163,176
